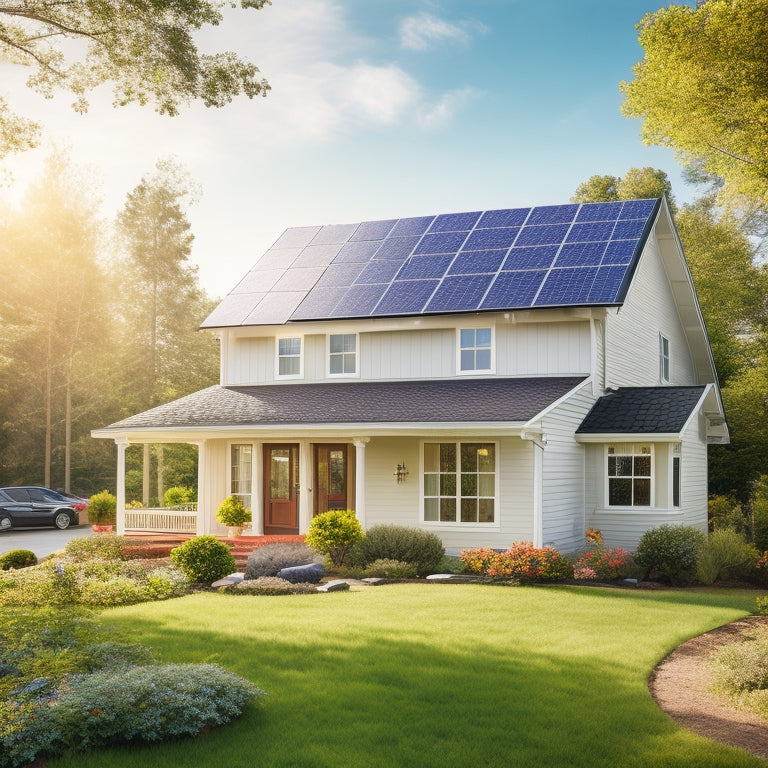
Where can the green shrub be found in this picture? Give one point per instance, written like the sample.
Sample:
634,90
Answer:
179,494
742,666
422,549
204,559
759,504
17,558
391,569
269,585
232,512
722,555
761,605
727,512
102,508
333,533
271,558
670,552
107,546
606,564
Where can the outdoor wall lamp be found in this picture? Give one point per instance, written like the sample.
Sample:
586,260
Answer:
400,473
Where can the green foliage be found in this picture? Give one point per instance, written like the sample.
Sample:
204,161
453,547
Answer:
723,554
17,558
422,549
606,564
670,551
521,562
726,512
271,558
333,533
204,559
107,546
179,494
232,512
761,605
391,569
102,508
759,505
636,184
269,585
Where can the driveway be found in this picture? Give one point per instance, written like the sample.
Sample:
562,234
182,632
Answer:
42,541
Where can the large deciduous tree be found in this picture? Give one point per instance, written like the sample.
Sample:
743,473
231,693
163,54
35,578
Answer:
146,50
636,184
702,89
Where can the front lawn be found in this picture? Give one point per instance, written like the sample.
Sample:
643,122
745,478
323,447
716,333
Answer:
435,676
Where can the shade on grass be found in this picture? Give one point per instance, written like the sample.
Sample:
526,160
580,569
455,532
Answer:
435,676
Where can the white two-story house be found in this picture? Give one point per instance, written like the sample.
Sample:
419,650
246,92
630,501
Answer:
492,376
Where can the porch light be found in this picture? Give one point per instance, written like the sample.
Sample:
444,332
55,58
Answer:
400,473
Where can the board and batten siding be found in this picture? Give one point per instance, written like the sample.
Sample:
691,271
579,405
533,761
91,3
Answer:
633,330
419,354
563,515
543,349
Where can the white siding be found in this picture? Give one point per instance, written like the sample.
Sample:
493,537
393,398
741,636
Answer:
250,361
421,354
543,349
633,330
214,483
694,487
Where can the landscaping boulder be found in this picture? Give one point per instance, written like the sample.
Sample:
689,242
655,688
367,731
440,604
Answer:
303,574
337,585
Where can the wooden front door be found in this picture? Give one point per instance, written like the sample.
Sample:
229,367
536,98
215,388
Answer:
281,489
332,478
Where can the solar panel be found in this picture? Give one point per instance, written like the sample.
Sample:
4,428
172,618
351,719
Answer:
509,258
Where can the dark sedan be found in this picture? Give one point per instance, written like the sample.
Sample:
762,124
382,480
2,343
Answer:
27,506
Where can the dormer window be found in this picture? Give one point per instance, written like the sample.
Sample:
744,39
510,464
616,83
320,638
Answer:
663,359
475,350
289,358
342,354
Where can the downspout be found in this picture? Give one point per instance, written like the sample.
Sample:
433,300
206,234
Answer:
538,440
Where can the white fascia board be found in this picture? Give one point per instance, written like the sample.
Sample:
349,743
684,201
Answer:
629,437
533,422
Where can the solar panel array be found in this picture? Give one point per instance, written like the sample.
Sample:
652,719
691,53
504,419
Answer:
577,254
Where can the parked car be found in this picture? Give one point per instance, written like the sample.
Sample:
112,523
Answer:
30,505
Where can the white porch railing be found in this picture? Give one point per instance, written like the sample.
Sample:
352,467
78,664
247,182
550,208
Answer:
179,519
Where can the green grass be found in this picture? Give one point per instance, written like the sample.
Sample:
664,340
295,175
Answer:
438,676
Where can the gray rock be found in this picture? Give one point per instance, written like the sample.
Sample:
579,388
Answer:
228,581
337,585
302,574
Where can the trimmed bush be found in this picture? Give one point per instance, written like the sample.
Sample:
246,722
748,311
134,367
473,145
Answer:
269,585
605,564
422,549
107,546
232,512
102,508
391,569
271,558
179,494
724,553
741,672
333,533
204,559
17,558
522,562
670,552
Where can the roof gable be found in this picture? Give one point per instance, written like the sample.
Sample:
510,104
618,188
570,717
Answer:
578,254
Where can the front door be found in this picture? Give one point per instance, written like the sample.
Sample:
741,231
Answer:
281,489
332,478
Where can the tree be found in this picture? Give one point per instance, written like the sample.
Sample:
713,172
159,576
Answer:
636,184
146,50
702,89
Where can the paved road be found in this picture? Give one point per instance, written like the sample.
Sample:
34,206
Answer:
42,541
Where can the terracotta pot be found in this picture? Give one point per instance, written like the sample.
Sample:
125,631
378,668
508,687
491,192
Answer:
234,531
103,528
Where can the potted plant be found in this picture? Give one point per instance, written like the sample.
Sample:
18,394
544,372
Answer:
102,511
234,515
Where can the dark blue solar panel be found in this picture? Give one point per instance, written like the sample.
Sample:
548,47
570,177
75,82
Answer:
397,247
638,209
406,297
580,255
319,303
619,252
381,271
629,230
340,274
553,214
361,251
599,211
598,230
505,217
552,234
531,257
607,283
455,222
359,300
566,286
485,239
415,226
474,262
442,242
459,293
373,230
423,267
513,290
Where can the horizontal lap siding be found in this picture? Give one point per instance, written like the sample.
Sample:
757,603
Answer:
694,491
624,529
427,354
543,349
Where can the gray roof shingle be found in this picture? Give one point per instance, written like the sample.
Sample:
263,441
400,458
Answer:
642,410
465,400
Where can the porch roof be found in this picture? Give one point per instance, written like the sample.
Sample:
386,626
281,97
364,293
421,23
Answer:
465,400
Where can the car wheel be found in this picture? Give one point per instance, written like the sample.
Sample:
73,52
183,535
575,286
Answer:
62,520
5,523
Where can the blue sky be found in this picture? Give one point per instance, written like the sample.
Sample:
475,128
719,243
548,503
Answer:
379,109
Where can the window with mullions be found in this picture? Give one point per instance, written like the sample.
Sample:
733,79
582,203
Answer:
460,482
342,354
289,357
629,475
475,349
241,478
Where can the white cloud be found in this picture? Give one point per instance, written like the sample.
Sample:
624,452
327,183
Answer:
443,111
423,31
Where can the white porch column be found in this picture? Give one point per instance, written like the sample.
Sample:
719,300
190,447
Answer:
360,443
257,490
305,485
538,495
122,444
203,516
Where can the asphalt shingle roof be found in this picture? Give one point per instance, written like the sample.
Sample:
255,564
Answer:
642,410
465,400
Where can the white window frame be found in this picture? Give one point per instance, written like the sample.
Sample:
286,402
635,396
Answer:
630,449
300,374
664,359
457,525
328,353
475,371
676,452
254,490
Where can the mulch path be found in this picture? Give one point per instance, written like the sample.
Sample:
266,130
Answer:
680,686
